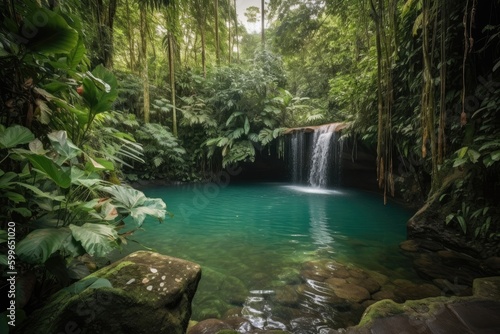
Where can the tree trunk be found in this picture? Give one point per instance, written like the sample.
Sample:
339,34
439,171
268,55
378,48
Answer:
442,74
229,32
171,64
217,43
203,52
263,34
110,19
130,37
144,49
236,33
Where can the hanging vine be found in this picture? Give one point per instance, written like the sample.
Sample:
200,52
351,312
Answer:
386,44
468,23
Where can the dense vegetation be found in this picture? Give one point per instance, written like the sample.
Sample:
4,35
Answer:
97,93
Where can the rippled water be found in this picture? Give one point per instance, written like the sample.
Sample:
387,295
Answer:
254,239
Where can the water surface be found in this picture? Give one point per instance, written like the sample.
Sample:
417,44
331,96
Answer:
252,239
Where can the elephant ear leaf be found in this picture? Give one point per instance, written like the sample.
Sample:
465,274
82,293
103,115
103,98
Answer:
15,135
96,239
55,36
40,244
132,202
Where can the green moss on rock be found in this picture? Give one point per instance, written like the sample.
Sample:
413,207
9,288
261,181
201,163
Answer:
150,293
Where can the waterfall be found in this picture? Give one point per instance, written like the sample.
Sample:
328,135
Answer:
325,146
298,156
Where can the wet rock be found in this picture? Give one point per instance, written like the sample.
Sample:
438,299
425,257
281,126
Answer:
341,273
143,292
448,288
380,278
209,326
430,245
358,273
384,294
305,325
431,266
352,292
427,224
316,275
239,324
409,246
415,245
415,292
403,283
230,292
286,312
368,283
477,314
211,308
368,302
334,281
318,270
286,295
290,276
338,270
488,287
269,331
452,258
233,312
319,292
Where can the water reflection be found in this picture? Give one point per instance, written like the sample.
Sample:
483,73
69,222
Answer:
318,219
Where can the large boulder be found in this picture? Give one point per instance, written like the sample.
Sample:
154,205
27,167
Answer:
144,292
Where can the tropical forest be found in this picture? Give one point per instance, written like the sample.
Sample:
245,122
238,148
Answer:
249,166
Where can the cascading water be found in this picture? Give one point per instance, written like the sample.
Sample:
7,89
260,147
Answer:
325,146
298,156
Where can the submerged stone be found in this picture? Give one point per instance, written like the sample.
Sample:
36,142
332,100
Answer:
109,305
286,295
352,292
210,326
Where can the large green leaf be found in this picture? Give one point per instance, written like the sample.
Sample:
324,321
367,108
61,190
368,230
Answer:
154,207
50,169
42,194
247,125
100,89
126,197
55,36
40,244
89,283
82,178
15,135
66,149
97,239
76,55
5,180
136,204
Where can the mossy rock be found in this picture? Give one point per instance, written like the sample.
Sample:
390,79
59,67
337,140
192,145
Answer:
487,287
145,292
381,309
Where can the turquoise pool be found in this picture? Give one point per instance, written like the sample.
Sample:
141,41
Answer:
254,238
